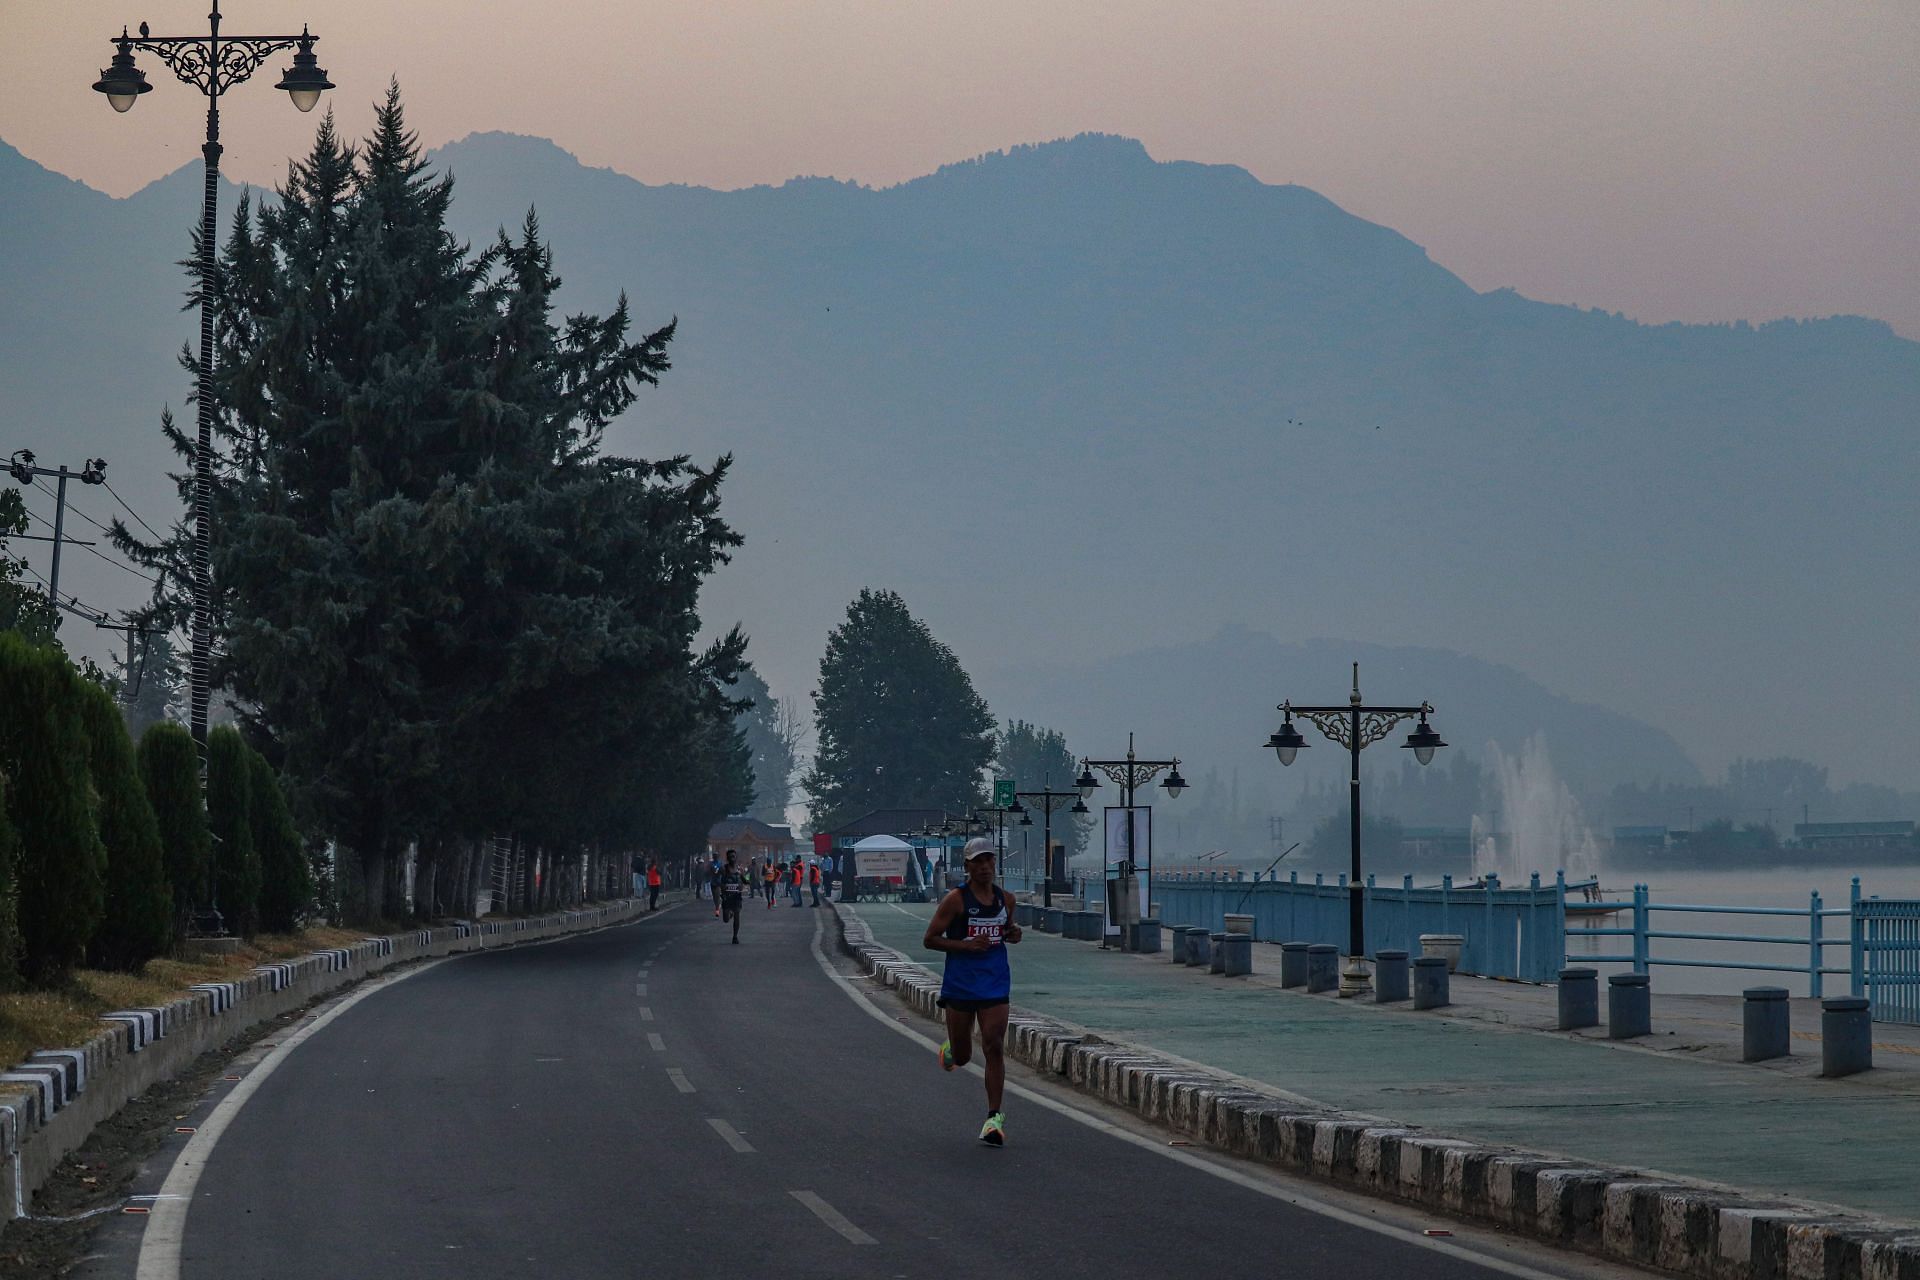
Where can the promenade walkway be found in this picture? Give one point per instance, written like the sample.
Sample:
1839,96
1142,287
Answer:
1678,1103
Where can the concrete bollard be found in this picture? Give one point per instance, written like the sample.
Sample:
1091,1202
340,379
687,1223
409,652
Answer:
1051,918
1146,937
1431,989
1238,924
1579,999
1093,924
1323,967
1766,1030
1293,964
1216,953
1629,1006
1390,977
1238,958
1199,947
1846,1035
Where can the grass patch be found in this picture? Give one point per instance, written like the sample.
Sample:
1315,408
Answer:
68,1016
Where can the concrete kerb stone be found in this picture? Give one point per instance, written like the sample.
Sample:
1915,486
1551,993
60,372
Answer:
51,1103
1685,1228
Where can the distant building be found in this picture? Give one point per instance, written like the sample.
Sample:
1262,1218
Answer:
1838,836
1436,844
1647,838
750,839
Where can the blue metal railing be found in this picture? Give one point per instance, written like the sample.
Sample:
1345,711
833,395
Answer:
1813,943
1887,956
1505,933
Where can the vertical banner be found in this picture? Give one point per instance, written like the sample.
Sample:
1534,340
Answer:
1130,841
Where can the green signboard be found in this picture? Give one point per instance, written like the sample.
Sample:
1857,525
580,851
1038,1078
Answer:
1003,789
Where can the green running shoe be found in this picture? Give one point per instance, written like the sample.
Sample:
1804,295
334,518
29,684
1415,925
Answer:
946,1055
994,1131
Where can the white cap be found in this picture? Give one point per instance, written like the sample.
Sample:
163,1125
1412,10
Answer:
975,847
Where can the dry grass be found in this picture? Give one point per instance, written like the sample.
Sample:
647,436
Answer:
69,1015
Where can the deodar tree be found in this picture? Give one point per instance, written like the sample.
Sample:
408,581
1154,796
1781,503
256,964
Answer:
446,611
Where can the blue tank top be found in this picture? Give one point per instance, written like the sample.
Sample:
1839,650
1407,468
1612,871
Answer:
978,975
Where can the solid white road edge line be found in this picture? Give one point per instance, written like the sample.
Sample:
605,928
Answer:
832,1217
1220,1171
167,1224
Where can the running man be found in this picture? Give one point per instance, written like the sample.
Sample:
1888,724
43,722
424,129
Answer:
772,877
732,885
973,926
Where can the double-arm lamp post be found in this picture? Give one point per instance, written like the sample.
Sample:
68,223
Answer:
1047,800
1355,726
1130,772
212,63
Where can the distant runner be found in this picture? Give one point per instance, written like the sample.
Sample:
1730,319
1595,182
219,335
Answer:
733,891
973,925
771,876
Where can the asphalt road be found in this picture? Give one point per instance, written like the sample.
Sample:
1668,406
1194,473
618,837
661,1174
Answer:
650,1099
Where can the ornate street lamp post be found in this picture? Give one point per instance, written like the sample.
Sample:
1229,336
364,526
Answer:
212,63
1355,726
1047,800
1130,773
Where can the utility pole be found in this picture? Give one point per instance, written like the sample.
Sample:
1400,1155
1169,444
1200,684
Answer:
23,468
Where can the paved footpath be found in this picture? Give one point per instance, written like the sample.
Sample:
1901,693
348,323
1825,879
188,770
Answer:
653,1100
1493,1070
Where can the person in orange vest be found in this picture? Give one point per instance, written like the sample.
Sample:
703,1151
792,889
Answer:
772,877
653,884
813,878
794,879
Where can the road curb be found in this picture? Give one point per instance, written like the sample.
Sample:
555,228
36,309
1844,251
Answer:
1628,1216
50,1103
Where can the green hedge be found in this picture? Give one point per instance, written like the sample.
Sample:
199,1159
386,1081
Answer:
236,866
61,864
138,920
170,772
286,882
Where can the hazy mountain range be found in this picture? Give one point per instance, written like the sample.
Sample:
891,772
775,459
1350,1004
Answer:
1077,405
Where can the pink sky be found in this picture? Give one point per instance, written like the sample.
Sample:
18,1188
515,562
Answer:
1671,159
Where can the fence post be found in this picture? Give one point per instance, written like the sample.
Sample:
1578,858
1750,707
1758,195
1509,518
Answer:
1406,914
1446,891
1640,954
1814,948
1371,917
1856,943
1560,917
1485,947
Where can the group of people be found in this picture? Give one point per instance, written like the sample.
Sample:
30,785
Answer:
728,881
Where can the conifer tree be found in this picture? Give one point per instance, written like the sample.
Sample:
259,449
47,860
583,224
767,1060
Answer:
236,866
286,882
170,772
9,897
138,920
43,752
426,566
23,606
898,720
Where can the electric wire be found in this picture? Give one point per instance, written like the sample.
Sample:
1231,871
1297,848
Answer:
129,510
88,547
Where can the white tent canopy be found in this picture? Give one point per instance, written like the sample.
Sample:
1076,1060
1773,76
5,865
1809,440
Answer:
884,857
882,844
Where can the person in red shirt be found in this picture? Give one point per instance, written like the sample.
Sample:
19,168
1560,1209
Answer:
813,879
653,884
796,876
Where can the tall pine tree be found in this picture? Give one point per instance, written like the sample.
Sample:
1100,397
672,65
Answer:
898,720
236,865
138,920
170,772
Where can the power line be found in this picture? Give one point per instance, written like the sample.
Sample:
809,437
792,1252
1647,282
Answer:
71,604
129,510
41,486
88,546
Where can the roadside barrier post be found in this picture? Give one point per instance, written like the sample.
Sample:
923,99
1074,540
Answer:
1323,967
1430,986
1237,960
1629,1006
1579,999
1217,953
1390,977
1293,964
1846,1036
1765,1030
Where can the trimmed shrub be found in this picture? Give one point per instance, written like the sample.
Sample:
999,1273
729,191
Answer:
43,752
286,883
138,920
170,772
9,917
236,866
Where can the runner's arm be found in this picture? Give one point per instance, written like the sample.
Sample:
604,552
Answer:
943,916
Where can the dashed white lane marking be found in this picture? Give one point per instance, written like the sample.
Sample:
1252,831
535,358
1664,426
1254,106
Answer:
640,989
656,1042
1224,1172
731,1136
646,1014
679,1079
832,1217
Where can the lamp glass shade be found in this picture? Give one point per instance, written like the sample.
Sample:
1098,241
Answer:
122,83
1422,742
1423,754
304,99
1087,784
1287,743
1174,785
122,102
304,81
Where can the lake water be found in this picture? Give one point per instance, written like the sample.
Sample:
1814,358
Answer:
1774,887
